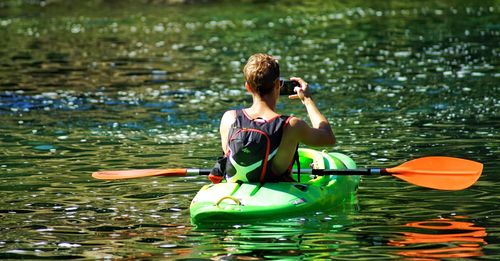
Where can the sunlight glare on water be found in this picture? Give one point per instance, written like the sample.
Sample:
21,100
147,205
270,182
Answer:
132,85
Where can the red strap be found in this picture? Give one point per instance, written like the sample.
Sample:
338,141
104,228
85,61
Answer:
268,150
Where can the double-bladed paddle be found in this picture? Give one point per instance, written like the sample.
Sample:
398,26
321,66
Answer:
444,173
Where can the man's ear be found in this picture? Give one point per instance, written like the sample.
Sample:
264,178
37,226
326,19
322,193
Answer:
247,86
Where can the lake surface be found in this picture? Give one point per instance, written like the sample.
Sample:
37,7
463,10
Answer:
90,85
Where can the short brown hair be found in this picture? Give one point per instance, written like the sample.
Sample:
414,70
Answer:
260,72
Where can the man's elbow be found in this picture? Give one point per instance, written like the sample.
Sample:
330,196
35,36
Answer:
327,134
328,139
331,140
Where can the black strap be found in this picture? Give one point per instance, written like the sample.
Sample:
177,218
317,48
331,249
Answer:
296,156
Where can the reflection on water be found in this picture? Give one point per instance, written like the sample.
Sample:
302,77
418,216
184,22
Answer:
89,85
442,238
319,236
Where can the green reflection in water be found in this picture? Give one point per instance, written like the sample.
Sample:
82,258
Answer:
123,84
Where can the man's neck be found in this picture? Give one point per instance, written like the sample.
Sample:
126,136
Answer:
263,106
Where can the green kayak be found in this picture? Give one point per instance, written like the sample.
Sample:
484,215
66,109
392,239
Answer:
235,202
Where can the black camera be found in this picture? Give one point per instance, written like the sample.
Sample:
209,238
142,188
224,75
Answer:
287,87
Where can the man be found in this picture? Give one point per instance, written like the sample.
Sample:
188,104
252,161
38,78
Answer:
285,133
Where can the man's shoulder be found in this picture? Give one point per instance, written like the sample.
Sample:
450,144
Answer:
295,122
229,112
296,126
228,117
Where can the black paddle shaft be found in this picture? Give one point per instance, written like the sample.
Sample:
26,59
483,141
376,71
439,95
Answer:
345,172
323,172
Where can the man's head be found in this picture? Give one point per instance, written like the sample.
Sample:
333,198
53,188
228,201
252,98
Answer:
261,73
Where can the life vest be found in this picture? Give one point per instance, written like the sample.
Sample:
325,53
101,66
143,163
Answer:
252,145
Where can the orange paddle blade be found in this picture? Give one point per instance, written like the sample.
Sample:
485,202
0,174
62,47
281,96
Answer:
445,173
130,174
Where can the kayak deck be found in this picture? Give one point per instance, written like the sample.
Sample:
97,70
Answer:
234,202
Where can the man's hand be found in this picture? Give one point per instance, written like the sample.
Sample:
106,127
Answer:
302,91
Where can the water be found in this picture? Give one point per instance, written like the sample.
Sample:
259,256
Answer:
114,85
